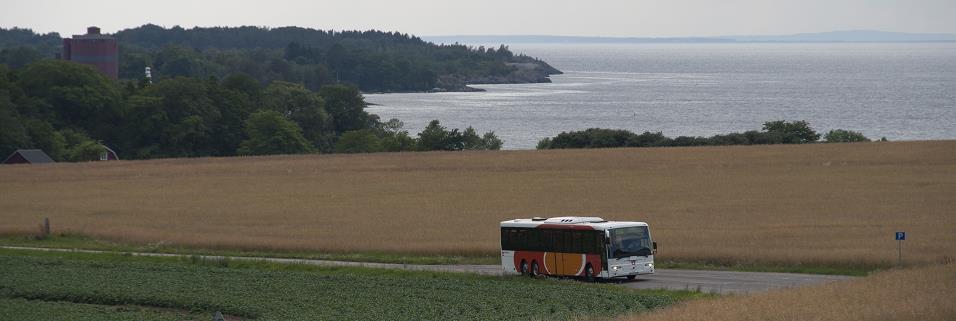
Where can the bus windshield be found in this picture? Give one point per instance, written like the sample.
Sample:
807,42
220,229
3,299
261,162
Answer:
630,241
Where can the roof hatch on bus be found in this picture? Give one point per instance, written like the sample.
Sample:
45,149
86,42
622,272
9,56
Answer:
574,220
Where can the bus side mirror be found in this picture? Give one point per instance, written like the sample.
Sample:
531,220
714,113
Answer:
655,247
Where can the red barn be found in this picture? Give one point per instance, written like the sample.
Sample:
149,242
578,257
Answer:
108,154
28,156
95,49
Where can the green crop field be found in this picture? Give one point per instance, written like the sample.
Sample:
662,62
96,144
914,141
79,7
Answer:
38,310
86,286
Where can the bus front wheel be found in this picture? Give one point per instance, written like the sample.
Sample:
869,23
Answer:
631,277
524,267
534,269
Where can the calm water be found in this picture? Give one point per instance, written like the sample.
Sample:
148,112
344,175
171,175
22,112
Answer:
900,91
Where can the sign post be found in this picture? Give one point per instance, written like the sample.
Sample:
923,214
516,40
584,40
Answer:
900,237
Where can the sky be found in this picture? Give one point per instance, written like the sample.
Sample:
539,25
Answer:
610,18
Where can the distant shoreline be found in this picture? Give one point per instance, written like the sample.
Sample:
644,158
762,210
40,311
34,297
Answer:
464,89
855,36
676,41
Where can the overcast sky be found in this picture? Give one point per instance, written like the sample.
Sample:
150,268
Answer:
650,18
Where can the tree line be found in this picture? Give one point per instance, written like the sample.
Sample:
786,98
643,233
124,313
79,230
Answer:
72,111
773,132
371,60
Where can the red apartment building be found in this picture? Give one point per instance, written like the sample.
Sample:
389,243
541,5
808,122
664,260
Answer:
95,49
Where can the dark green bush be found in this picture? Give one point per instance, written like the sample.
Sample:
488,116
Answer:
358,141
844,136
774,132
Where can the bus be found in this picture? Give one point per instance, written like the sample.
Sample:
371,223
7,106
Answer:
586,247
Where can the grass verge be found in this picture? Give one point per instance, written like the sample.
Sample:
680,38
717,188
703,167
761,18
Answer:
908,294
272,291
73,241
756,267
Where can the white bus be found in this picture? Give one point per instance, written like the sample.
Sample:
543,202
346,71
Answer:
587,247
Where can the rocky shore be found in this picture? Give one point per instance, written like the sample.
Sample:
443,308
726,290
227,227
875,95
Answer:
521,73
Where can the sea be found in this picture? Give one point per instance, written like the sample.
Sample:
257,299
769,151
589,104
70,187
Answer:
900,91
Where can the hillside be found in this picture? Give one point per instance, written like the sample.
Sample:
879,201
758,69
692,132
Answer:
372,60
818,204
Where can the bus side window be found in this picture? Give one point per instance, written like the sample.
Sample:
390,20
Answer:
576,242
518,239
599,237
504,238
569,245
509,238
587,242
547,240
534,239
559,241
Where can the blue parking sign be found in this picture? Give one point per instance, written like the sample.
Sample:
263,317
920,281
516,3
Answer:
900,236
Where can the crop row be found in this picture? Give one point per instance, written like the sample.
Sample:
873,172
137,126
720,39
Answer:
271,294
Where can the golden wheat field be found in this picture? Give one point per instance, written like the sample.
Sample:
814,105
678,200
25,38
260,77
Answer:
798,204
915,294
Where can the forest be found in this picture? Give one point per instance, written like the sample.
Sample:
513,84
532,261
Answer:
237,91
373,61
71,111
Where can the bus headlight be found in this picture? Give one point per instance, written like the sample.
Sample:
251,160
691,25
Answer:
650,265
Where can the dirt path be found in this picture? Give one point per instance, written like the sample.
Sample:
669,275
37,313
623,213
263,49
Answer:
706,281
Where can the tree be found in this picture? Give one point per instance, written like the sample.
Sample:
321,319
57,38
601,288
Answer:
649,139
188,117
358,141
77,95
844,136
393,137
798,132
544,143
305,108
19,56
347,107
145,127
391,126
44,137
437,137
242,83
178,61
86,151
234,108
399,142
471,140
271,133
775,132
13,135
491,141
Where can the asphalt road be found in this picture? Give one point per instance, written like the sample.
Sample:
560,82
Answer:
699,280
726,281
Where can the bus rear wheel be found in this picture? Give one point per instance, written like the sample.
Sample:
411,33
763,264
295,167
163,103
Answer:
589,273
534,269
524,267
